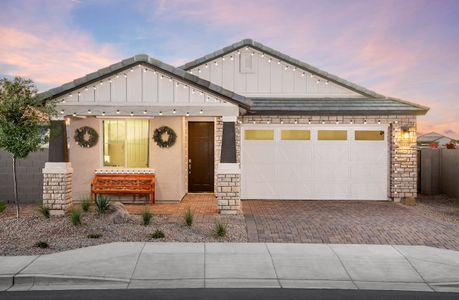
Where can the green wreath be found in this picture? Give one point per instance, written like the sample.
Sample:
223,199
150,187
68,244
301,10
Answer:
158,137
86,137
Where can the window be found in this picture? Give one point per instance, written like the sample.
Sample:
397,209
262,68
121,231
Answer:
332,135
126,143
296,135
369,135
259,135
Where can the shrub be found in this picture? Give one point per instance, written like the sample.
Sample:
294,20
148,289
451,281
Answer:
220,228
146,216
189,215
2,207
41,244
158,234
94,235
102,203
75,216
44,210
85,204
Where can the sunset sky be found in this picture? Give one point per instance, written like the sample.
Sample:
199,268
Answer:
407,48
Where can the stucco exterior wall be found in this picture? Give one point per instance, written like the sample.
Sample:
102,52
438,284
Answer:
84,160
168,162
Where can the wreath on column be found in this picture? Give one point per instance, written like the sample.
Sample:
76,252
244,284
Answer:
158,137
86,137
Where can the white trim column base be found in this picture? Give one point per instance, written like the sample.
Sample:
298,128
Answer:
57,187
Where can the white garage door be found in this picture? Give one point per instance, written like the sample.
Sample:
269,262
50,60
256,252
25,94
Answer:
322,162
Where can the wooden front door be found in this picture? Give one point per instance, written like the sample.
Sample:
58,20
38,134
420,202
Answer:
200,156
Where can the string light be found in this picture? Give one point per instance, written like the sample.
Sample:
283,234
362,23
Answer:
278,62
117,111
253,53
269,60
216,63
125,75
187,114
326,82
231,57
132,113
94,87
379,121
63,101
86,88
282,122
302,74
268,122
309,121
296,122
103,113
201,111
318,81
199,70
62,112
351,122
174,111
365,122
71,95
132,70
145,112
262,55
89,111
207,66
337,122
160,113
254,122
101,83
74,114
223,58
323,122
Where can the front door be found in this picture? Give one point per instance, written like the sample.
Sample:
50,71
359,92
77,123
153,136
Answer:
200,157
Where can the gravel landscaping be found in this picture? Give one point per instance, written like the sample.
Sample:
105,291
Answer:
17,237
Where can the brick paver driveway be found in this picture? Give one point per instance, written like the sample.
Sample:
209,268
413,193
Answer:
355,222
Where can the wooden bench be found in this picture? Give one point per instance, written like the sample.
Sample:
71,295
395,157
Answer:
124,184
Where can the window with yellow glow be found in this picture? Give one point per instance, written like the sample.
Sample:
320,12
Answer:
369,135
296,135
126,143
332,135
259,135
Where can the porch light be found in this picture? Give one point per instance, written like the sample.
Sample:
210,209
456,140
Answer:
160,113
405,132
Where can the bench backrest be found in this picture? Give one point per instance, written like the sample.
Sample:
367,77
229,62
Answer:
145,181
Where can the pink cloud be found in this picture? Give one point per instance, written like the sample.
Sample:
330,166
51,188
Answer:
48,50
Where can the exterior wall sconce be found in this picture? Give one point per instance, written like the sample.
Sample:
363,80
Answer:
405,132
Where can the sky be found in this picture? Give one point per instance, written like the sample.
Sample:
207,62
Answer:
407,49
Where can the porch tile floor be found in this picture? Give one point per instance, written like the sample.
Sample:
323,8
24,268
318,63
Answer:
351,222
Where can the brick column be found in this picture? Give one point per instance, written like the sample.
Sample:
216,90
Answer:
57,187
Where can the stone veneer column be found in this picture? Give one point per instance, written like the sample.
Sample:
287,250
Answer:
57,187
228,177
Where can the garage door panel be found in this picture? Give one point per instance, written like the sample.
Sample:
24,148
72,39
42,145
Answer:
373,191
315,169
332,191
331,151
363,173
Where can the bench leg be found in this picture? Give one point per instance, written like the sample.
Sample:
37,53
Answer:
152,198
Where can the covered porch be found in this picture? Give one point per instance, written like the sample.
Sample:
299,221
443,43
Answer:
125,111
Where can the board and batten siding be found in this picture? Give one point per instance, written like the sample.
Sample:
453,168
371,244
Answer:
254,74
142,87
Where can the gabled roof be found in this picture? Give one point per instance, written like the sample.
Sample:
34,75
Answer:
414,108
148,61
431,137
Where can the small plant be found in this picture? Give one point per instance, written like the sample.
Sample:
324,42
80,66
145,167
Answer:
75,216
102,203
44,210
85,203
451,145
94,235
2,207
189,215
146,216
158,234
41,244
220,228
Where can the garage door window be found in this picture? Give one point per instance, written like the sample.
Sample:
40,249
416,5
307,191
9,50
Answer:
369,135
296,135
260,135
332,135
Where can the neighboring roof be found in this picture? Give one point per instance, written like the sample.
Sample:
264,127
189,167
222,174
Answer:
276,54
431,137
149,61
340,106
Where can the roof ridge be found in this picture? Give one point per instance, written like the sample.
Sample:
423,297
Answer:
277,54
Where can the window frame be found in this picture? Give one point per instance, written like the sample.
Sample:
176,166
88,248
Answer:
125,144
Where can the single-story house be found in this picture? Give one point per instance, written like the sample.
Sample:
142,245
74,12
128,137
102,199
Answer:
426,140
248,122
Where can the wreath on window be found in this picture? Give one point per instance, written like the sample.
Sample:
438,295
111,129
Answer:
86,137
158,137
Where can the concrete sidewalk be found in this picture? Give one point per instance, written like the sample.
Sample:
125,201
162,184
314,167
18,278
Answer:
223,265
